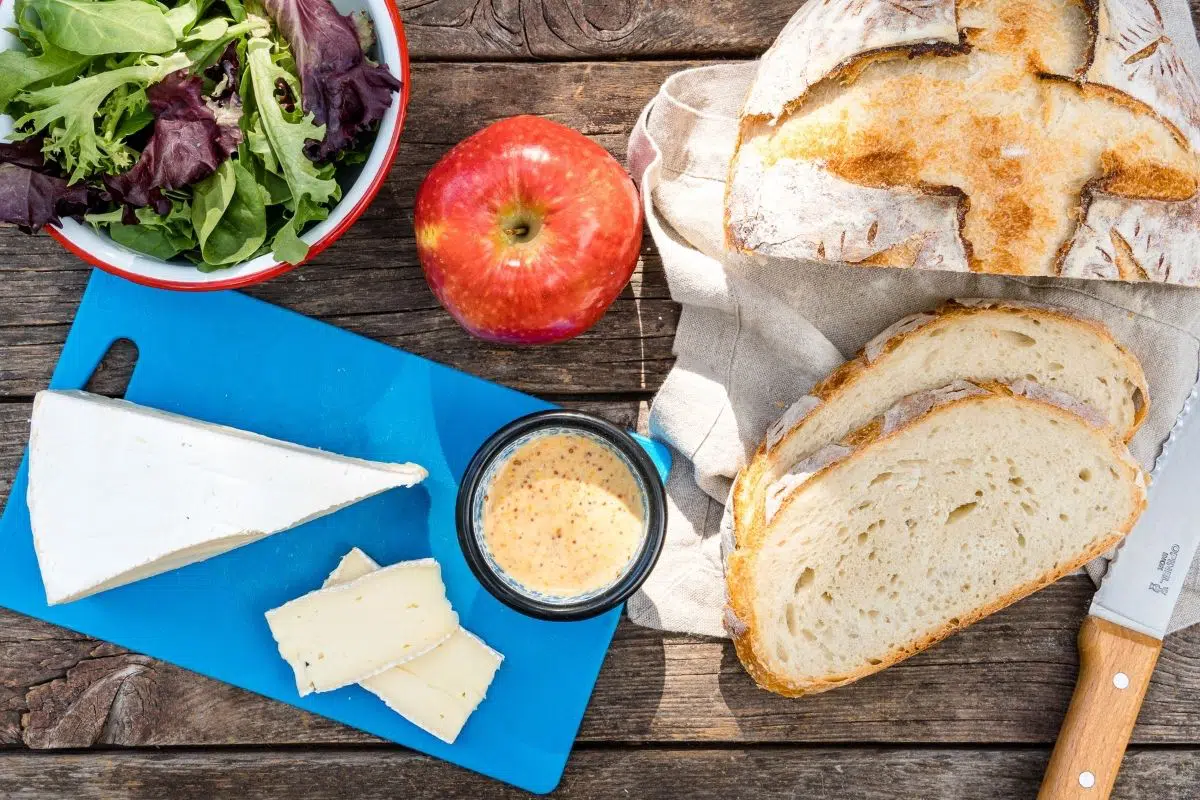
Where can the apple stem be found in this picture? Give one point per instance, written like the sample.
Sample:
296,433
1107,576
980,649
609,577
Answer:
521,227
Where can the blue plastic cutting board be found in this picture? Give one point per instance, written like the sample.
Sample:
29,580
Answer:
234,360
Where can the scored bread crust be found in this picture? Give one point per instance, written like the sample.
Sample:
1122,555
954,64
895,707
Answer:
1118,236
747,495
741,618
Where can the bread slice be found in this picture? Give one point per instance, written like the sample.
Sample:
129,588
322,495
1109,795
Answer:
967,339
950,507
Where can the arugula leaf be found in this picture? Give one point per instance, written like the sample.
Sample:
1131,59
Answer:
67,113
98,27
228,215
312,188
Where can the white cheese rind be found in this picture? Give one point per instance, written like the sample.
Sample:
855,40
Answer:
437,691
119,492
344,634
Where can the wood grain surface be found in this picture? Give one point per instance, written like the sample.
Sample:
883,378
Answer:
787,773
673,716
1006,680
579,29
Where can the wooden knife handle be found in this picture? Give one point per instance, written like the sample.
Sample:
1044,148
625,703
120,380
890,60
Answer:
1115,665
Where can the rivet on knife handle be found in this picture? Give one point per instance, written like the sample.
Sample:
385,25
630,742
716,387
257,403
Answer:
1115,665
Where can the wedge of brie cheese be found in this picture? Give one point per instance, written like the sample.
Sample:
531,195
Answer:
344,634
440,690
119,492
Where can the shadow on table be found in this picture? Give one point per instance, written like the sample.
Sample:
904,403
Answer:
629,693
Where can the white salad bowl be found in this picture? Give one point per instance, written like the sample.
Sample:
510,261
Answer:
360,183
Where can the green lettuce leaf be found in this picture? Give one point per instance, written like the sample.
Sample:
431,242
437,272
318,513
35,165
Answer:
205,43
155,235
39,64
287,133
287,244
125,112
255,154
99,27
22,70
312,188
229,215
184,16
67,115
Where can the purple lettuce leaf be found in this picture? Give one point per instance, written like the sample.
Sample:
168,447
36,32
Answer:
191,138
25,153
341,89
225,72
32,195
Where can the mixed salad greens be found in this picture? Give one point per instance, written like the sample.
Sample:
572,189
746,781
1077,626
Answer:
209,129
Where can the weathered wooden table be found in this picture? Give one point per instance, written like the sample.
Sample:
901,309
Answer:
673,716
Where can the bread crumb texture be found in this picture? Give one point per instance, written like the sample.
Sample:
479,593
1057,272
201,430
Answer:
920,532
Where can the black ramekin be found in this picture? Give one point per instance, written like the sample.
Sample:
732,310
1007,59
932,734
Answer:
531,603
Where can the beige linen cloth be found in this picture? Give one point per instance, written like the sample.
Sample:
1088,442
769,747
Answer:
756,334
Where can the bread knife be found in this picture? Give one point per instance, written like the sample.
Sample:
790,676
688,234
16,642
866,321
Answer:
1122,635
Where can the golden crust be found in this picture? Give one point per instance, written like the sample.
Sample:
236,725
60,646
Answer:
1021,197
747,496
740,591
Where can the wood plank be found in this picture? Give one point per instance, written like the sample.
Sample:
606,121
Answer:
583,29
586,29
653,774
1006,680
14,432
370,281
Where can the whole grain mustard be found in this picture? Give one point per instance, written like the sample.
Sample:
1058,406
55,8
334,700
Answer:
564,515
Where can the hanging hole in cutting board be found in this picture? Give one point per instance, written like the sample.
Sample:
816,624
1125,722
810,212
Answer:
112,375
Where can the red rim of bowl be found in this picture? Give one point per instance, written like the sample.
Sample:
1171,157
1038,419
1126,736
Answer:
317,246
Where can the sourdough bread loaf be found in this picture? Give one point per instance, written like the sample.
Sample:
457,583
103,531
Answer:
1049,350
1036,137
952,506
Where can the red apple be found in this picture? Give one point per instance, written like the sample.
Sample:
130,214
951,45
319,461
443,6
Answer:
527,231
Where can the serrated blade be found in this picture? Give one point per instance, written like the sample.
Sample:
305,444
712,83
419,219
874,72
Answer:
1145,578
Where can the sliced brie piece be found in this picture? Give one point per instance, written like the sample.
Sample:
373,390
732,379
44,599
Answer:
119,492
438,691
344,634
